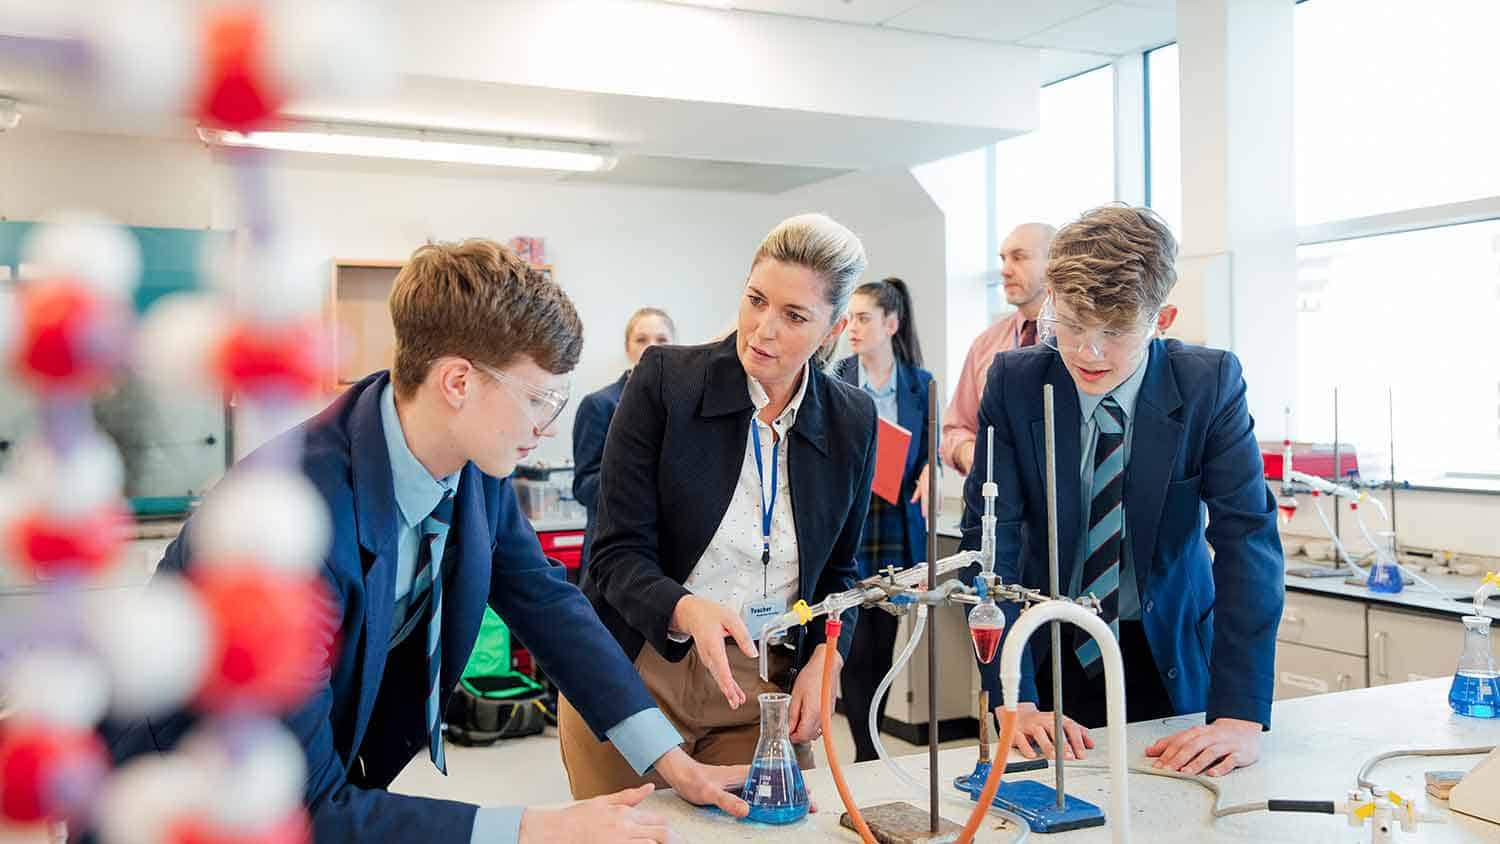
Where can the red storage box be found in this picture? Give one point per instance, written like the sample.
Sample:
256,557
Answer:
1315,459
565,546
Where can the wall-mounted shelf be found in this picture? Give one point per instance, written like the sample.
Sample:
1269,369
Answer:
359,315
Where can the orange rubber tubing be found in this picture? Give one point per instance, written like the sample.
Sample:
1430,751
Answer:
992,782
831,630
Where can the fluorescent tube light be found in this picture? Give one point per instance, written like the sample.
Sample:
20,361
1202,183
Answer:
420,145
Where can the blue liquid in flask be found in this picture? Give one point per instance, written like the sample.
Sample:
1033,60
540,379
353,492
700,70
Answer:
774,789
1475,695
1385,575
1476,684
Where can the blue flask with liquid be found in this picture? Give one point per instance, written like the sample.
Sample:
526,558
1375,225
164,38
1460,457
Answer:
1476,685
774,789
1385,575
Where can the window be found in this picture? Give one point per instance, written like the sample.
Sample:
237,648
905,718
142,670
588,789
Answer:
1395,105
1366,307
1065,167
1164,136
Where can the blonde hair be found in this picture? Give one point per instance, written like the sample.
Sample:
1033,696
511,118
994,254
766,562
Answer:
821,244
642,314
477,300
1114,265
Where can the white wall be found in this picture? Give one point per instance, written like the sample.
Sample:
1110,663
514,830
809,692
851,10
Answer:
614,248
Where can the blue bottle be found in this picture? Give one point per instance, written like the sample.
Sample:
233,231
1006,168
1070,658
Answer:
1476,685
1385,575
774,789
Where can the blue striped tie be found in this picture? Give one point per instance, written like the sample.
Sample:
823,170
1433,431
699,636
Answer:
1101,567
430,569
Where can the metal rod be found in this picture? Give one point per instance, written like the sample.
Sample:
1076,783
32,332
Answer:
1390,421
1338,467
1049,414
932,618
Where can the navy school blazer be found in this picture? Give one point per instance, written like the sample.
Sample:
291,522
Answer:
671,464
590,426
1210,619
492,557
912,386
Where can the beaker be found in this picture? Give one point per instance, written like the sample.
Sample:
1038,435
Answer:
986,623
1385,575
1476,685
774,789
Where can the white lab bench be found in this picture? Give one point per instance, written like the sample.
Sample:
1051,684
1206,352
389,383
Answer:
1313,752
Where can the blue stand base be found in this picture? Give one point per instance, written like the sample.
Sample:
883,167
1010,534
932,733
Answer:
1037,804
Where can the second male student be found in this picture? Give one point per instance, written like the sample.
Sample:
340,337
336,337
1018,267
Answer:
1151,434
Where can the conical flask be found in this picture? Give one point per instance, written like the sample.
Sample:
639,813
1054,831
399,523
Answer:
1476,685
1385,575
774,789
986,623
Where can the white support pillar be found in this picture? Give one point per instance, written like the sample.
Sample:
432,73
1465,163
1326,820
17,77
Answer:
1239,233
1130,129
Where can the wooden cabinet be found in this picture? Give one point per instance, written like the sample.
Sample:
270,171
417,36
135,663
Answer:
1302,671
363,337
1320,646
1407,646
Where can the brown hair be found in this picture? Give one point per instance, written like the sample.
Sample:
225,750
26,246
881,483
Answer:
642,314
477,300
1114,265
892,296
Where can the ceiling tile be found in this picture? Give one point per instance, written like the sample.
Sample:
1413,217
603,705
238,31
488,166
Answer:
1115,29
848,11
992,20
1060,64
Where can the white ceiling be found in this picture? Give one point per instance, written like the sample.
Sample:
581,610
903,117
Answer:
1075,35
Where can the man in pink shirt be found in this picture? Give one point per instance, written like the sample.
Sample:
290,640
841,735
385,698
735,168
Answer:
1023,259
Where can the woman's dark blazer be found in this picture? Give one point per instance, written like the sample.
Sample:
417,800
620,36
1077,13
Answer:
671,464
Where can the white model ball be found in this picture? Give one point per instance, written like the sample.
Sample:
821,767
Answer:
146,796
77,484
177,341
148,54
68,688
154,645
281,280
272,518
257,770
94,250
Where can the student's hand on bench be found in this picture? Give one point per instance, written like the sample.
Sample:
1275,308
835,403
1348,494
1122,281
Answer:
1212,749
603,820
1034,727
704,785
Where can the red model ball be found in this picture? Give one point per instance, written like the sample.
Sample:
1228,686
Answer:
279,360
271,637
49,772
52,547
71,339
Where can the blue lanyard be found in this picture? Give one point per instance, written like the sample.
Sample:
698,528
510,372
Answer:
766,507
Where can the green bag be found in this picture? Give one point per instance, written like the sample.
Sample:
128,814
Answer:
494,701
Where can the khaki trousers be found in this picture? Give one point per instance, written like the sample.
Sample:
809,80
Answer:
712,733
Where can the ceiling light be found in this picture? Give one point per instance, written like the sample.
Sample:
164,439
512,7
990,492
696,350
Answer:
420,145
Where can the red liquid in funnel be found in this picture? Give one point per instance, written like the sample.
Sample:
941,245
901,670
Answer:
1287,512
986,641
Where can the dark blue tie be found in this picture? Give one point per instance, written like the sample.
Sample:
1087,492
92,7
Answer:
1101,567
429,574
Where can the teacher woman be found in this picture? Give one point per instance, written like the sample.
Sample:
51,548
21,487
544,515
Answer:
736,481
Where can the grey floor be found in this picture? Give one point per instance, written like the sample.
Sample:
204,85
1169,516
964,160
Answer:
529,770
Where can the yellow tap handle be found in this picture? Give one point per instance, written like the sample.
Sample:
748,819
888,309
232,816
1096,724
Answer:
1365,812
1394,798
1492,577
803,611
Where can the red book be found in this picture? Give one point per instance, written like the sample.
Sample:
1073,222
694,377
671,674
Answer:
891,443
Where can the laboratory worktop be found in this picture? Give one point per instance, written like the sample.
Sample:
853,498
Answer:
1313,752
1414,597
